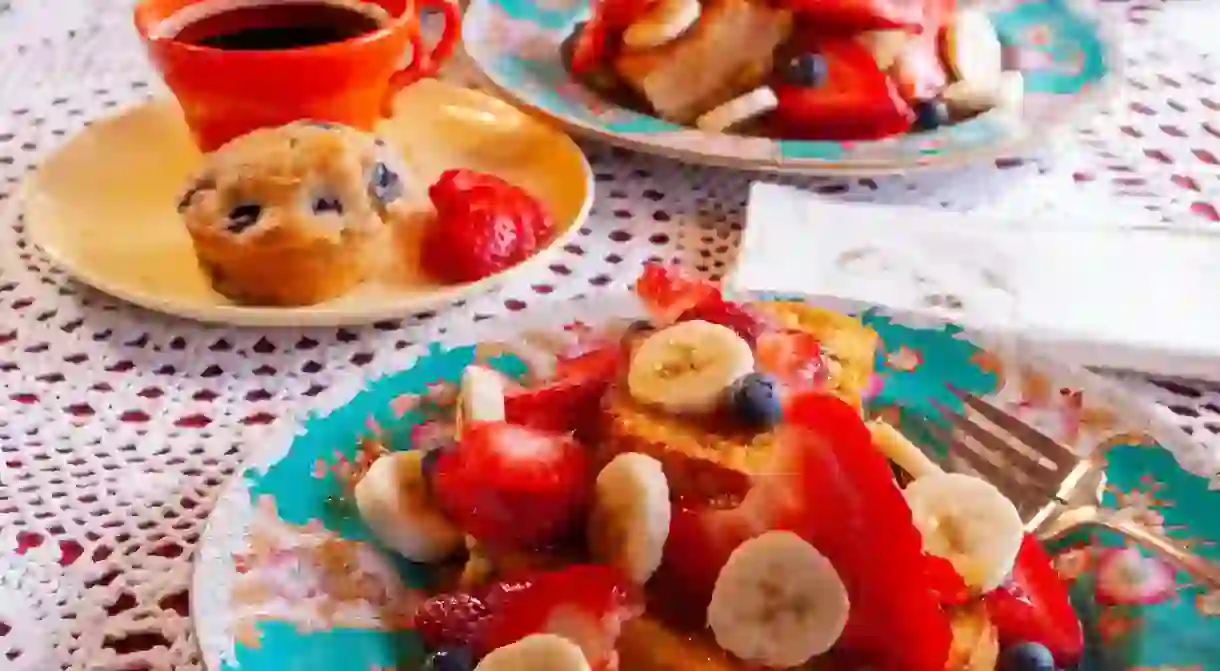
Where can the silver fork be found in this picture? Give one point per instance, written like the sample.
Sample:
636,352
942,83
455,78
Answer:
1055,490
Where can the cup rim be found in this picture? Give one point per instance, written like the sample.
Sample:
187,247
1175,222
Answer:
143,26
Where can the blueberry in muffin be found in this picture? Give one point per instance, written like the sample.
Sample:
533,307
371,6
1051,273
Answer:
291,216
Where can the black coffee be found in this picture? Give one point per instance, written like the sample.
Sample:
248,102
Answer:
278,26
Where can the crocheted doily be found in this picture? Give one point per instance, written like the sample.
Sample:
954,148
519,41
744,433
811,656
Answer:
118,426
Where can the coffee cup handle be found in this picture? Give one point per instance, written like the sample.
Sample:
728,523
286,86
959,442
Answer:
427,62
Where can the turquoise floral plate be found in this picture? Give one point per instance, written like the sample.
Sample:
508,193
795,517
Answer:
1063,52
287,577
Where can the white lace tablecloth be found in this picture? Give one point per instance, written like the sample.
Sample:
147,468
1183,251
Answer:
118,426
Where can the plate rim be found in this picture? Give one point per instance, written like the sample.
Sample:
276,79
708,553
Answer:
1089,103
28,195
617,305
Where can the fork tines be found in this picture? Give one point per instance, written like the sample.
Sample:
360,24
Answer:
1028,466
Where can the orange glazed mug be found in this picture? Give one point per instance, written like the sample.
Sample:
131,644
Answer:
225,93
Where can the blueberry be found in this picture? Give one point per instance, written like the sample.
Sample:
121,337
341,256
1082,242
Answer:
449,659
1026,657
384,184
806,70
930,114
323,205
243,217
322,124
754,401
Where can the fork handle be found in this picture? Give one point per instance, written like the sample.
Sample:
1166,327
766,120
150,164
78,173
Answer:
1202,570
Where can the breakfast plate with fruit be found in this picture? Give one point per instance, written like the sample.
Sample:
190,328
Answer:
680,481
310,223
799,86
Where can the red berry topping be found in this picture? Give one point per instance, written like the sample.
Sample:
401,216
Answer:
667,291
484,225
830,486
701,538
1034,606
853,511
858,102
449,619
513,487
585,603
622,13
572,400
794,358
744,321
454,185
946,582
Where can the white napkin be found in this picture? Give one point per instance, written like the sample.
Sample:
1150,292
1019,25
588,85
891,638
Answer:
1116,297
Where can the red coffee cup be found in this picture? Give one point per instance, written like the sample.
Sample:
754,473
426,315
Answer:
226,93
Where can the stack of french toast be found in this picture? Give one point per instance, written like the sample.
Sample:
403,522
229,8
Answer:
803,69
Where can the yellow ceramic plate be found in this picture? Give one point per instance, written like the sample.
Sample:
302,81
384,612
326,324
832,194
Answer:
103,206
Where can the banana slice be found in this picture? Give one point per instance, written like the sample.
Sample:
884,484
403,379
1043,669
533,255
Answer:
884,45
393,501
966,97
662,24
1011,91
480,397
967,521
537,652
685,368
738,110
895,446
629,521
778,602
972,47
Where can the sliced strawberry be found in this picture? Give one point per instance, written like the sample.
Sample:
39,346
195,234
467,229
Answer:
830,486
946,582
667,291
480,240
449,619
1034,606
513,487
484,225
584,603
857,102
701,538
592,49
744,321
850,508
792,357
572,400
619,14
455,186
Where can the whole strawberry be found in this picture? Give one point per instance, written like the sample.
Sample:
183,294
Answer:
513,487
484,225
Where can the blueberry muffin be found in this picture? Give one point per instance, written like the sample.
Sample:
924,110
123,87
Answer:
293,215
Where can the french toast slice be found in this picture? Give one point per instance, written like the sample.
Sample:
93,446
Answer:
713,460
727,52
